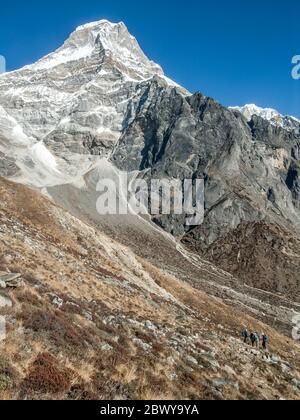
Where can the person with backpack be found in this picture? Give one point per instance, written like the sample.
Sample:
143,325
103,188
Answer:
265,341
246,336
254,339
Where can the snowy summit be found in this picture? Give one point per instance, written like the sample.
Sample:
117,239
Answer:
79,94
95,40
269,114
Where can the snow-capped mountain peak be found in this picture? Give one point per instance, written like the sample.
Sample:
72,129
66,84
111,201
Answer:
97,23
80,96
269,114
99,42
251,109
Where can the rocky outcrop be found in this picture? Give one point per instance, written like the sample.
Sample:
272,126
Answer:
10,280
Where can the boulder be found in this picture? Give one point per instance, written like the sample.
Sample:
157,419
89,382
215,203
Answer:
12,280
295,383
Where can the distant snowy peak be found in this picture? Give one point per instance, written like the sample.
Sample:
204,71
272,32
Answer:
269,114
251,109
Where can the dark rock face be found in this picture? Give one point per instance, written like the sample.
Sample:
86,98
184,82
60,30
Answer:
293,183
250,169
175,135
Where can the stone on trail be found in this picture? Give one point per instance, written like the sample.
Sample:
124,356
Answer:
12,280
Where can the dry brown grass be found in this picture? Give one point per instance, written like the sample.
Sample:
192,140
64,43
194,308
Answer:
8,376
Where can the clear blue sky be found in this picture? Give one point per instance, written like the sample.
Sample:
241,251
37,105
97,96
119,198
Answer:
236,51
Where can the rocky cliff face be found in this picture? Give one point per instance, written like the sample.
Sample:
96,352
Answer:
250,167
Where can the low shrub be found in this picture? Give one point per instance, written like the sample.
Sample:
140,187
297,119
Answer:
8,374
29,298
110,389
31,279
58,327
80,392
5,382
47,376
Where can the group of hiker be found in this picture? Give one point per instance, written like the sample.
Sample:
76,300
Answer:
255,339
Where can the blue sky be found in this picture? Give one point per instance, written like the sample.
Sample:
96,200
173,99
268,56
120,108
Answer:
236,51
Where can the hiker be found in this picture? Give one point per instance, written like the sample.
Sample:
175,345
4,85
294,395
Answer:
246,336
265,341
254,339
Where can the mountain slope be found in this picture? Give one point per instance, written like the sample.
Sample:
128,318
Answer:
260,254
93,321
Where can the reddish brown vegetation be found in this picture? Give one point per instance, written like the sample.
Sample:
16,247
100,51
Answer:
47,376
57,326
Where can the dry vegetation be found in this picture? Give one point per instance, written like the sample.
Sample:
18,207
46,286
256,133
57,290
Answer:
93,321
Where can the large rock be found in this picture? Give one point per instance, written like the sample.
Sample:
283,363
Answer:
12,280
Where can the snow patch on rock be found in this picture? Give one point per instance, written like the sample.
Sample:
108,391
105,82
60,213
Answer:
42,156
